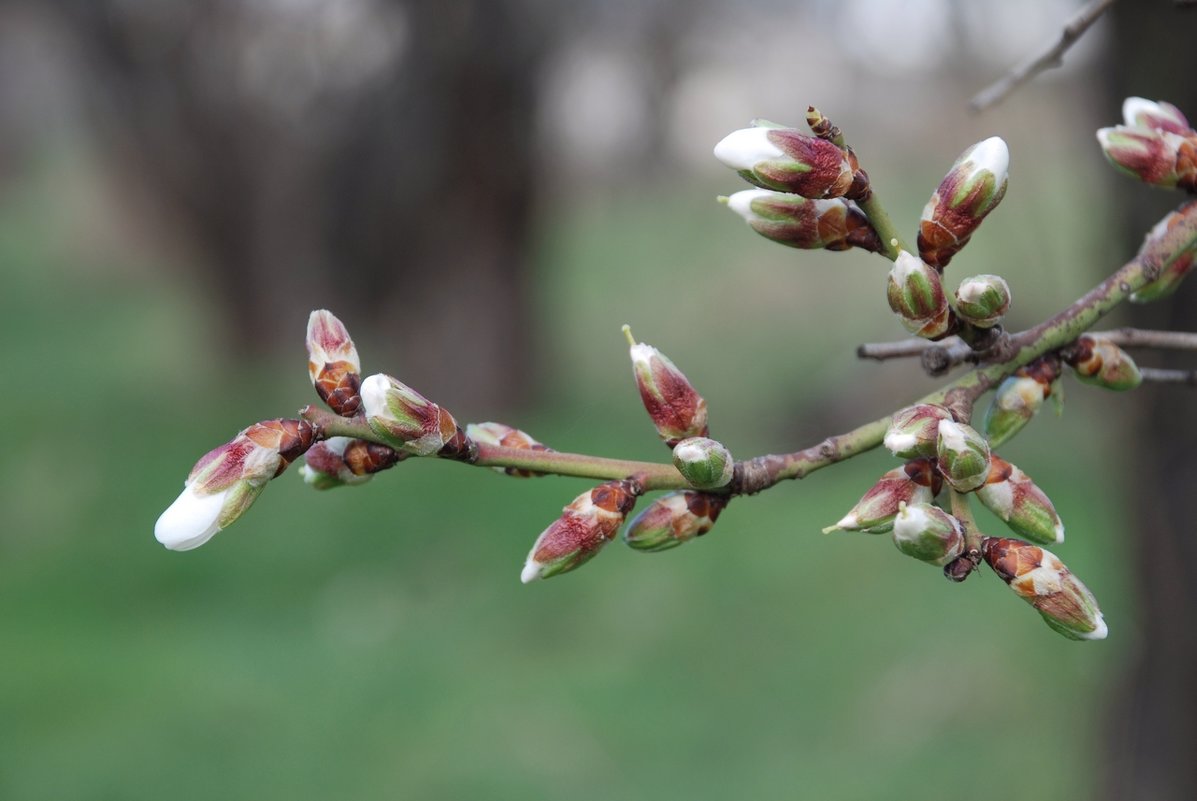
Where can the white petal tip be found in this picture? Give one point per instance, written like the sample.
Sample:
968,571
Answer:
531,572
747,147
1099,633
741,202
190,521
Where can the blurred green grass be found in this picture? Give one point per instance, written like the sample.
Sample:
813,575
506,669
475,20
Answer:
376,642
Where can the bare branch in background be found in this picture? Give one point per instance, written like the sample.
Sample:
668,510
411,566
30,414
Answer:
1052,57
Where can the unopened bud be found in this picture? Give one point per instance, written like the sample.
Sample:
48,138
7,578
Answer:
789,161
676,408
1171,248
324,465
963,456
333,363
983,299
408,421
585,526
1099,362
227,480
1011,495
673,519
1042,580
915,293
799,222
1154,114
507,437
971,189
703,462
913,431
928,533
1019,398
1156,157
913,483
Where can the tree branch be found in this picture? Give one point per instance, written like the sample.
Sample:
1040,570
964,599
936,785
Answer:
1052,57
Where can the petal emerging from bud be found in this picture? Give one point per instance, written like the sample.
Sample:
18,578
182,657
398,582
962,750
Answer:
915,293
928,533
1100,362
1042,580
228,479
705,463
1019,398
585,526
914,431
333,363
507,437
1158,158
408,421
801,223
971,189
789,161
1011,495
1154,114
963,456
676,408
915,482
674,519
1170,246
983,299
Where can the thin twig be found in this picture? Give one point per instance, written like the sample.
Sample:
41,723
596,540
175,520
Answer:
1162,376
1143,338
1052,57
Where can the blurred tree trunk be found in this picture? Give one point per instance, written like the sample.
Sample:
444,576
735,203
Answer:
1152,729
388,175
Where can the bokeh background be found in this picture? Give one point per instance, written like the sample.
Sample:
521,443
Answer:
485,190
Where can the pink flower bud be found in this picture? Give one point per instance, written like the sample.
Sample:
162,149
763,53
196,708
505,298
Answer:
798,222
789,161
1171,248
507,437
1041,579
585,526
1155,115
971,189
676,408
915,482
673,519
1155,157
228,479
408,421
333,363
1011,495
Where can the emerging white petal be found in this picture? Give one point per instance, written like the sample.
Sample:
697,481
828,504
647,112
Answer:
747,147
374,395
990,154
741,202
191,520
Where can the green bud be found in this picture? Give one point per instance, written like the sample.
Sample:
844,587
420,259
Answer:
963,456
915,294
1099,362
705,463
915,482
928,533
913,432
1011,495
983,299
1041,579
673,519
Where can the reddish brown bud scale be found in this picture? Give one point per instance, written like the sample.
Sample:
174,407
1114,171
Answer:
339,387
333,363
365,458
584,527
1038,577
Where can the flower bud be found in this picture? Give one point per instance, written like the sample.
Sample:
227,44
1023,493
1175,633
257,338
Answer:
1019,398
1155,115
1156,157
228,479
408,421
507,437
928,533
1100,362
983,299
333,363
585,526
345,461
963,456
705,463
971,189
673,519
915,294
1011,495
915,482
913,431
676,408
1042,580
1170,247
798,222
789,161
